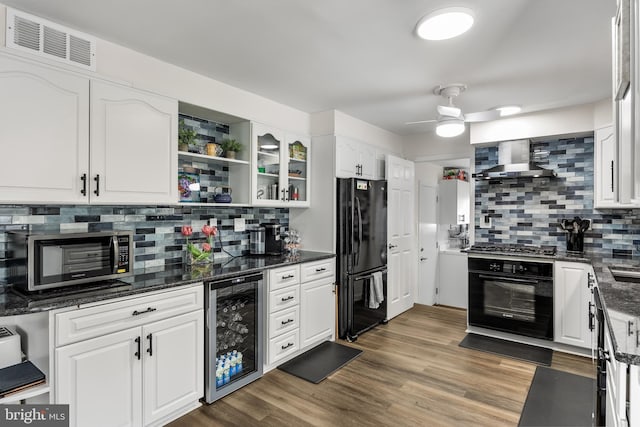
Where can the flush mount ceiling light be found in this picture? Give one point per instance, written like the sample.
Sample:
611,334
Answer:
509,110
445,23
449,127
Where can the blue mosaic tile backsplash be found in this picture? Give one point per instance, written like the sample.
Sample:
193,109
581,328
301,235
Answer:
158,240
528,210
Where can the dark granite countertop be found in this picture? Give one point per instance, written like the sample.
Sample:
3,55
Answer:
620,299
14,302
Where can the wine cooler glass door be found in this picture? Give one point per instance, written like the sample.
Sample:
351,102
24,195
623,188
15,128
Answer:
234,334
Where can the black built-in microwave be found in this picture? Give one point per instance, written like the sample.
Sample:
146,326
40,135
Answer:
49,260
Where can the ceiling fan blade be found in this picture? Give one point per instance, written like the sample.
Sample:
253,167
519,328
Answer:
420,121
449,111
482,116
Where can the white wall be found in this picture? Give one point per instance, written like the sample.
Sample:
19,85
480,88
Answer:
603,114
148,73
562,121
429,146
334,122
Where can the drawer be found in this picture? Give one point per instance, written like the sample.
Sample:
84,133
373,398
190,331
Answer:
284,345
284,276
284,321
317,270
283,298
85,323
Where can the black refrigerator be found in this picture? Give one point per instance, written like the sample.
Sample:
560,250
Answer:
361,248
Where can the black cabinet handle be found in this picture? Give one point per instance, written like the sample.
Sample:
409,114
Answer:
289,298
612,175
148,310
150,349
591,317
137,353
284,347
97,180
288,276
318,270
83,178
286,322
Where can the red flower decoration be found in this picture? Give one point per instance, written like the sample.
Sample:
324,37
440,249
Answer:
209,230
206,247
187,230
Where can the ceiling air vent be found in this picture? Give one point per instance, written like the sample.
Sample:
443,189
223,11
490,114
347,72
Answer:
30,33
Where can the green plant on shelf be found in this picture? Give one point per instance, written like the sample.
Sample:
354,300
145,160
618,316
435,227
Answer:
186,135
231,145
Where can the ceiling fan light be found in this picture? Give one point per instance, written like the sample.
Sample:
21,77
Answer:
450,128
444,24
509,110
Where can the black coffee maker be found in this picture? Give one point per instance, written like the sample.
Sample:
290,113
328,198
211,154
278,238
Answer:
273,243
575,229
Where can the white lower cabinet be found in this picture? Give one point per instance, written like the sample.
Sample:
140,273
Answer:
572,298
317,307
144,375
301,311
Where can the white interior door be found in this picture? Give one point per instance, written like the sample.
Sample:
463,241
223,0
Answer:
428,252
401,260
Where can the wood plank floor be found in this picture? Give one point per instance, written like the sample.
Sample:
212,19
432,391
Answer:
411,373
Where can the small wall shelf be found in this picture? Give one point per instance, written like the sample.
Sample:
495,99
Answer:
204,157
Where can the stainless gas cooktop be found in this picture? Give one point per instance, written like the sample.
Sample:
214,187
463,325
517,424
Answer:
513,249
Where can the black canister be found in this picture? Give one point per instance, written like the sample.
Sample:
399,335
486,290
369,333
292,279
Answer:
575,242
272,240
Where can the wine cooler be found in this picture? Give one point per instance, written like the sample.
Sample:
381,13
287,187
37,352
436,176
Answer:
234,334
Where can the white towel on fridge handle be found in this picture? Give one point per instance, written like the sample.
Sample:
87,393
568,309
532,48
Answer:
376,290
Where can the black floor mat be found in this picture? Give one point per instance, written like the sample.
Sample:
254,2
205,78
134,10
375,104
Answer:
529,353
319,362
558,398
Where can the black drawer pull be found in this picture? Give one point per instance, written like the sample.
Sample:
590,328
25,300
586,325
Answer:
288,276
137,353
148,310
318,270
286,322
289,298
284,347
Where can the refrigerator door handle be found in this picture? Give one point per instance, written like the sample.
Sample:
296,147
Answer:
359,229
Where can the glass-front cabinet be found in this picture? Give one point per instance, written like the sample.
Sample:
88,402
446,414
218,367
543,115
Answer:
280,168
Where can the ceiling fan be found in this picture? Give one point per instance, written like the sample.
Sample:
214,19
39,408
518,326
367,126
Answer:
450,118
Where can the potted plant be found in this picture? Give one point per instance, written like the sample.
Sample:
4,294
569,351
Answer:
186,137
231,147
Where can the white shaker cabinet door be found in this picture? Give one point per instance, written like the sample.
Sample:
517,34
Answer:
44,134
572,298
100,379
173,353
317,311
134,146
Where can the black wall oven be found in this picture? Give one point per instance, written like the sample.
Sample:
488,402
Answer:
511,295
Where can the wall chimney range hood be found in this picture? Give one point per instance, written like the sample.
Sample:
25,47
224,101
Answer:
514,162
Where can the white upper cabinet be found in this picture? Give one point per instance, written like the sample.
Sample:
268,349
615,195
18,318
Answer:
44,134
133,146
454,202
605,153
61,142
355,159
281,167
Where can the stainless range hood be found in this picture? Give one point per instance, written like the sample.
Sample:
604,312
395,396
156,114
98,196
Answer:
514,162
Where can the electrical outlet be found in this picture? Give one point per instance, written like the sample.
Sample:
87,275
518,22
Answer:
213,222
239,224
485,221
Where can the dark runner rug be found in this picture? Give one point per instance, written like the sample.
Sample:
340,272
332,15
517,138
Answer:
529,353
320,362
558,398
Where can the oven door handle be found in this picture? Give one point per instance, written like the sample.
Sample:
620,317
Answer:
115,251
509,279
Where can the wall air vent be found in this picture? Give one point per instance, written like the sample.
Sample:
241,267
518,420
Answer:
30,33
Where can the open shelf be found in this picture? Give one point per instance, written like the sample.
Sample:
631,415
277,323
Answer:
264,153
196,156
297,178
292,160
270,175
26,394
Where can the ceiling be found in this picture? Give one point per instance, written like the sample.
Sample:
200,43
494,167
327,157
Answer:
361,56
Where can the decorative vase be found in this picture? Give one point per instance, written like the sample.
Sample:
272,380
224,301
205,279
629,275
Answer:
212,149
189,259
183,147
230,154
